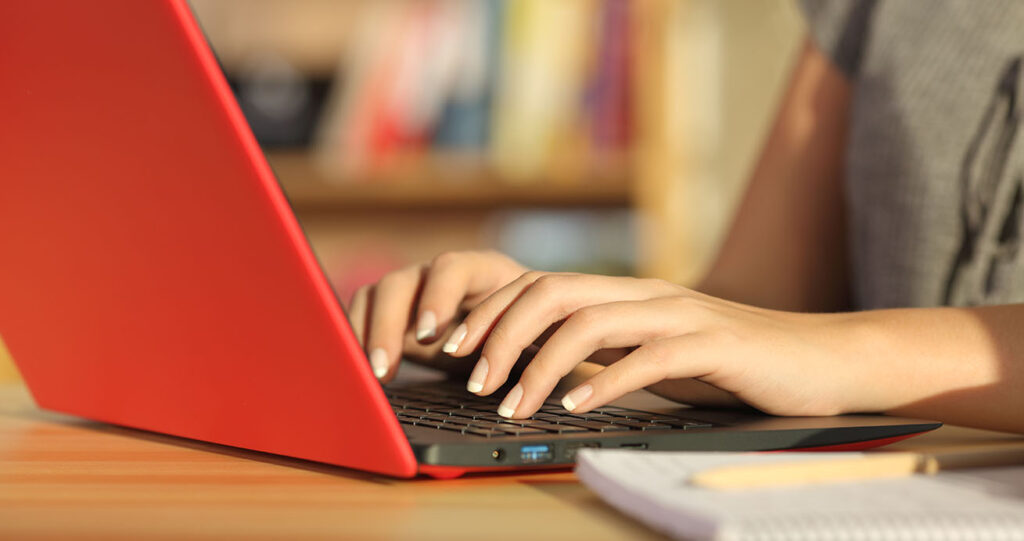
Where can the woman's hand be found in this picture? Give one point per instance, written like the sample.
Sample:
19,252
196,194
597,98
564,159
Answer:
779,362
410,312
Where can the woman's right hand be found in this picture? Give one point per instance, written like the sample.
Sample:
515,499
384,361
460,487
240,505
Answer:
412,312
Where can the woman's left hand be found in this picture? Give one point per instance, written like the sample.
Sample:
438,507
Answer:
686,345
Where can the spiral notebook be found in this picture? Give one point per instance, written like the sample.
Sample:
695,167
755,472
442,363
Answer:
653,488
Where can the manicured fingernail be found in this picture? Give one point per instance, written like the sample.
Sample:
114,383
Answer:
508,406
426,327
476,379
577,397
455,340
379,362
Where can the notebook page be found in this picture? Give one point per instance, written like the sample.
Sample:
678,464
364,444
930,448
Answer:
653,487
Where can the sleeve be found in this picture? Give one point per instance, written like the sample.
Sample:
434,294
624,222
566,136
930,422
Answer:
840,29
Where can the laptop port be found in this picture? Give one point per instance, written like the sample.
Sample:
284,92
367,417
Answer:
571,448
633,446
533,454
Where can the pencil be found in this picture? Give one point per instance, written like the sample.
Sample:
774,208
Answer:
868,466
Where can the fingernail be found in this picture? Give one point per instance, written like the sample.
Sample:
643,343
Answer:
508,406
577,397
426,327
455,340
476,379
379,362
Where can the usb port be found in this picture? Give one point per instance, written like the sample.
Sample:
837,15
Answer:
633,446
532,454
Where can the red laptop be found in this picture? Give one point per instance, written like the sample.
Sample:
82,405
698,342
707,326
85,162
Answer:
152,275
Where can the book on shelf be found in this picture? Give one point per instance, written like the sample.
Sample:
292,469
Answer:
533,89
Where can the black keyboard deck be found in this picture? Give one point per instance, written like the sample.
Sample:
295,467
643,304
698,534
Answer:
445,408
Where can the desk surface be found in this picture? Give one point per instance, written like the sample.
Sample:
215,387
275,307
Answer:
67,477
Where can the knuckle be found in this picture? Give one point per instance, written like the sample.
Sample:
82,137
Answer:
446,259
659,284
685,303
582,322
547,283
532,275
548,293
725,336
360,294
390,280
499,335
657,355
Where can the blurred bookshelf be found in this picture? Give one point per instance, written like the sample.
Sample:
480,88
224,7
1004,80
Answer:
443,182
575,129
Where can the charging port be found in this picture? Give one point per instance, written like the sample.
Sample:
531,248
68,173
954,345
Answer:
633,446
571,448
532,454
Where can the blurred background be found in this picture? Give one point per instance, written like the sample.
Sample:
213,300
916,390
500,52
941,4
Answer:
607,136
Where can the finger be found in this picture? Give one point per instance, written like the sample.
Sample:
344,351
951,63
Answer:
686,356
548,300
393,299
612,325
478,322
451,278
357,312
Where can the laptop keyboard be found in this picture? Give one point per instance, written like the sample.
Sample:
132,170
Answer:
452,409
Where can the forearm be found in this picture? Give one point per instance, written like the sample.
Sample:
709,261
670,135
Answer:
959,365
786,247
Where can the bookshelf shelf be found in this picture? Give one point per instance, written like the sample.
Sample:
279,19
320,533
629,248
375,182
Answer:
444,183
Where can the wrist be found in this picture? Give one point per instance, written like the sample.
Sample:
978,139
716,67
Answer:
900,360
863,347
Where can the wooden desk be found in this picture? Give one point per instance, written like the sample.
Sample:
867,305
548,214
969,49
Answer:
65,477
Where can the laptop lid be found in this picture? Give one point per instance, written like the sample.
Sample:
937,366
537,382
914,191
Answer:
152,272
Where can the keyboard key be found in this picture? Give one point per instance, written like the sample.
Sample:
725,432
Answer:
451,408
533,422
549,427
634,424
598,426
599,417
569,429
520,430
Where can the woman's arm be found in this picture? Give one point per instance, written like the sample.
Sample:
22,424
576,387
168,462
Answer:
786,248
959,365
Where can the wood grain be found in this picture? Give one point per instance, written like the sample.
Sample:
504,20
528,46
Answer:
62,477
